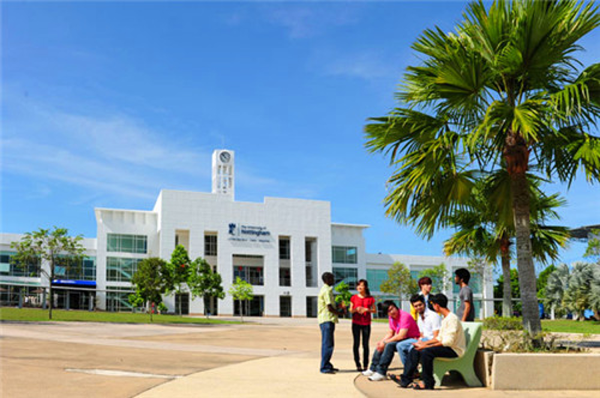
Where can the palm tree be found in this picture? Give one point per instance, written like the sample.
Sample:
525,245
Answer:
558,283
582,291
503,91
486,228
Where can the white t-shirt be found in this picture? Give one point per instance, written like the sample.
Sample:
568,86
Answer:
430,324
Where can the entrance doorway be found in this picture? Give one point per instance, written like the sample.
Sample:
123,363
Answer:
184,299
285,306
254,307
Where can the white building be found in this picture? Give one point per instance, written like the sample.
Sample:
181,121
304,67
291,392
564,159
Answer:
280,246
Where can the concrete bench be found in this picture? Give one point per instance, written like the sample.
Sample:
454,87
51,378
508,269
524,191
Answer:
463,364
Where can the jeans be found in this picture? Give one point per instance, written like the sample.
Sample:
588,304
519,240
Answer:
404,347
327,330
427,357
410,367
357,331
382,360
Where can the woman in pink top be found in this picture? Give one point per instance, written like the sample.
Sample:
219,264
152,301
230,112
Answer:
362,305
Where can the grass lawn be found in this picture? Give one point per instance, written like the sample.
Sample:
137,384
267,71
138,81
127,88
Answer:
557,326
31,314
570,326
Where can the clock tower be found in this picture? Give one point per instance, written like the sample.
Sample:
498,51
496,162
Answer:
222,172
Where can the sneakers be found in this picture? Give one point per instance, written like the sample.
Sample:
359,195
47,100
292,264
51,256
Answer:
368,372
377,377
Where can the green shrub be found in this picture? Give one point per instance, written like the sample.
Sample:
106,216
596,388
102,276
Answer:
502,323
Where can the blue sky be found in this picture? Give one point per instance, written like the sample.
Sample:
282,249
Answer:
105,104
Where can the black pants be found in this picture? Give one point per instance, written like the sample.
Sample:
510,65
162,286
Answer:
357,330
427,357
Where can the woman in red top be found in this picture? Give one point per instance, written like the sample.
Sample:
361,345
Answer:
362,305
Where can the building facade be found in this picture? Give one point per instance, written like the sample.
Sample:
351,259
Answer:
280,246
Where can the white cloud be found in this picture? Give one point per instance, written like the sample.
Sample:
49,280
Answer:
366,65
109,155
310,20
113,154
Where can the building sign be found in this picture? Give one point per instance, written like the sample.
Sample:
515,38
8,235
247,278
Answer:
73,282
249,233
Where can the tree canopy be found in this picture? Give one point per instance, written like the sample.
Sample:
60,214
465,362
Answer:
504,91
54,247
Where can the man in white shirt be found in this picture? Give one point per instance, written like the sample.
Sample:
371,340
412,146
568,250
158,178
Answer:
449,343
429,321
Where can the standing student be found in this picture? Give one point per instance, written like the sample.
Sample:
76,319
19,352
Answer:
362,305
425,286
328,317
466,311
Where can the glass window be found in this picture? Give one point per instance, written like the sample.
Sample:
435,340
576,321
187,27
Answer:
127,243
83,270
13,269
376,277
344,254
252,275
284,248
285,277
308,250
117,298
121,269
210,245
348,275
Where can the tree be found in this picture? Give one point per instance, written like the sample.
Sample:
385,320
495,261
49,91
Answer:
152,279
485,228
439,276
515,291
53,247
557,284
399,282
204,282
503,87
343,294
583,291
542,281
593,248
180,268
241,291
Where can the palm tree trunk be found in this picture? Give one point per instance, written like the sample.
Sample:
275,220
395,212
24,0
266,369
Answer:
527,279
506,287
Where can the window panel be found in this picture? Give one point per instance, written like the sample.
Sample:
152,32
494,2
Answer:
210,245
348,275
284,248
121,269
127,243
344,254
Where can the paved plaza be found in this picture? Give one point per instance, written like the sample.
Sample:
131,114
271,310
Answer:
264,358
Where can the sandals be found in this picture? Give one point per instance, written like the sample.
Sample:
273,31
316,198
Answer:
417,386
398,380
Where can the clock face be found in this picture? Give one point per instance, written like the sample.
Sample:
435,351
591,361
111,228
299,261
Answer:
224,156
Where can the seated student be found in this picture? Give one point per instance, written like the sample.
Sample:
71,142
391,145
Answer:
449,343
429,324
428,321
402,326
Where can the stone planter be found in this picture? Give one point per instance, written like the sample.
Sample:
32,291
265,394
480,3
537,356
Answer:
545,371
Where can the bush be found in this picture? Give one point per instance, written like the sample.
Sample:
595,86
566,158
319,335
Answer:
503,323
